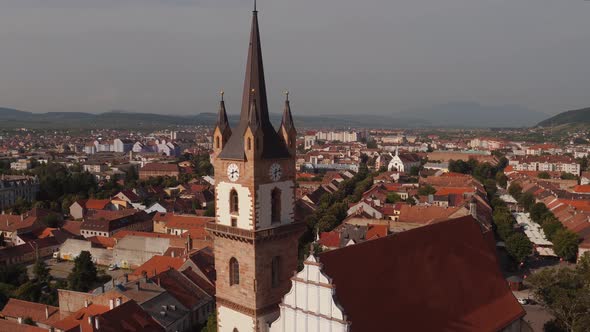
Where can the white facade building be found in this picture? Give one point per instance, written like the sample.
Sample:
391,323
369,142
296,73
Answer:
310,305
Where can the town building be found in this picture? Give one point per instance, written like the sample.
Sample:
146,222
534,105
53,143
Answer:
158,169
13,187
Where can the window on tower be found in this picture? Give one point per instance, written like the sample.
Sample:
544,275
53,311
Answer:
276,205
234,203
234,272
249,143
217,145
276,271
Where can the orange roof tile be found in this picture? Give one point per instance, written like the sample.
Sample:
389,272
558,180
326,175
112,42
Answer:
19,308
158,264
80,317
582,188
376,231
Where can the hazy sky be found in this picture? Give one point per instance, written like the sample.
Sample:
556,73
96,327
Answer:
361,56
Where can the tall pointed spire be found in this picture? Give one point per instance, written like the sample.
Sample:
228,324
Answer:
254,79
270,145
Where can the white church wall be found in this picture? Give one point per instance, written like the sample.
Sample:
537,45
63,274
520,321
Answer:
229,319
264,201
310,306
244,216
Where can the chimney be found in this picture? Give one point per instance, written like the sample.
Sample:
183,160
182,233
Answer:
137,286
158,281
86,303
126,276
96,324
91,320
19,320
112,304
46,312
118,301
173,254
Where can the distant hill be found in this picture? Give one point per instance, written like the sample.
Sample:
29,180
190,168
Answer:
467,114
452,115
581,116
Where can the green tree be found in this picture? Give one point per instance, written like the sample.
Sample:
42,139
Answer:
544,175
501,179
84,273
564,292
515,190
393,198
526,200
41,271
519,247
211,323
550,227
565,244
426,190
538,211
568,176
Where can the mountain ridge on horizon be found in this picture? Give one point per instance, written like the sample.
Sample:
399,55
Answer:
448,115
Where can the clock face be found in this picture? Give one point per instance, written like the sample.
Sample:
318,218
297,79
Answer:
275,172
233,172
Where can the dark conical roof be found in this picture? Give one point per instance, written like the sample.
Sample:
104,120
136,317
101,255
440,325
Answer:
222,122
287,121
255,89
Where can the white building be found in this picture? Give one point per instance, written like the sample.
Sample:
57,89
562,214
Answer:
310,305
21,165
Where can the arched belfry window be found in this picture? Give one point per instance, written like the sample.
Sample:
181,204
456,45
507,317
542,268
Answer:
276,271
275,205
234,272
217,143
235,330
234,203
249,143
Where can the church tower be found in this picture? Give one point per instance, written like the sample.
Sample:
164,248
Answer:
255,236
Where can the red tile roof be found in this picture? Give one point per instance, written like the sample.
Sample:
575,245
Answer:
80,318
102,241
182,288
121,234
158,264
9,325
376,231
447,273
582,188
96,204
128,317
36,311
330,239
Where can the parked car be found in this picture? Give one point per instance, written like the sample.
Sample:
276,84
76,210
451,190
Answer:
523,301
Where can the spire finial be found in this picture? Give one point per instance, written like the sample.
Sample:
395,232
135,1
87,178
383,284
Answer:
286,94
255,6
221,93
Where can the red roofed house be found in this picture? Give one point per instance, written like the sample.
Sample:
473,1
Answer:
158,264
43,315
170,223
107,223
445,277
79,208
